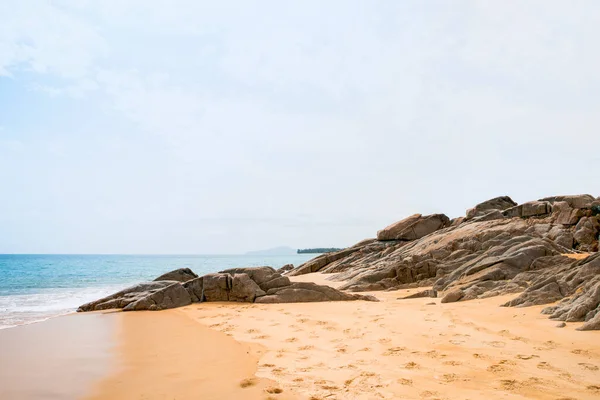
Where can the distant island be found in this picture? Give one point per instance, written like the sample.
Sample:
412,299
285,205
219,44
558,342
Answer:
318,250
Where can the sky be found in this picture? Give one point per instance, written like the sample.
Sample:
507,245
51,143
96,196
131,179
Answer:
205,127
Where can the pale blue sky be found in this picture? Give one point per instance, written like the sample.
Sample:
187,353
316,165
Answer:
139,126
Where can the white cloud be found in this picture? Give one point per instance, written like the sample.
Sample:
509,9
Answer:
196,117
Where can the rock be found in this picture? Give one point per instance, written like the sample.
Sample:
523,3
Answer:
564,214
456,221
266,277
424,293
285,268
195,288
586,233
453,296
497,203
414,227
172,296
536,208
244,289
319,262
488,216
126,296
179,275
574,201
560,325
216,287
302,292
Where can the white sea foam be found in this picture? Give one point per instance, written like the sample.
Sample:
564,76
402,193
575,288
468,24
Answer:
22,309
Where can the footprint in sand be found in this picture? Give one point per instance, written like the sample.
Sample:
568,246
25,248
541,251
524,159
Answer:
278,371
526,356
384,340
261,337
590,367
274,390
435,354
593,388
456,342
291,340
252,331
496,344
545,365
549,345
341,349
267,365
411,365
509,384
405,382
394,351
581,352
453,363
309,347
448,378
365,349
428,394
302,320
496,368
247,383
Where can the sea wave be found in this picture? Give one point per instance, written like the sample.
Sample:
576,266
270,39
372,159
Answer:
20,309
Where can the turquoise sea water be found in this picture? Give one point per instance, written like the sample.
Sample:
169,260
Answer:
36,287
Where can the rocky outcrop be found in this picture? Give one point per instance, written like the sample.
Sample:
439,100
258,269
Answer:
414,227
179,275
249,285
498,248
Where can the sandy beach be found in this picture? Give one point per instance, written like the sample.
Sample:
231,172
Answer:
395,349
60,358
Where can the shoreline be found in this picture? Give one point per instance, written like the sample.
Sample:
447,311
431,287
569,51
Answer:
59,358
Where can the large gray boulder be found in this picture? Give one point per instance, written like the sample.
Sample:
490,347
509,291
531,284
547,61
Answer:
244,289
305,292
126,296
216,287
172,296
414,227
179,275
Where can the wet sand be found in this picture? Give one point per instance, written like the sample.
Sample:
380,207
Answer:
168,355
56,359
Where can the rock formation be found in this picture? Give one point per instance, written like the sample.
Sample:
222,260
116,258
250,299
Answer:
258,284
499,247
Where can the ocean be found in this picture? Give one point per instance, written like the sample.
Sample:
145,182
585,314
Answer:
37,287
